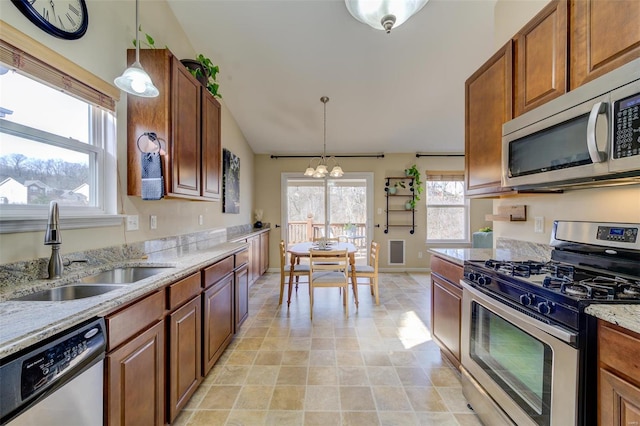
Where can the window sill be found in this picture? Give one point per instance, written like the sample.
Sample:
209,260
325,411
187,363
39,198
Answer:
10,225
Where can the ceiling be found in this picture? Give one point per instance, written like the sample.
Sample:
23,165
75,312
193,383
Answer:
401,92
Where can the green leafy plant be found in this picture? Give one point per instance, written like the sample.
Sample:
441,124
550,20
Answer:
485,229
417,184
211,71
150,42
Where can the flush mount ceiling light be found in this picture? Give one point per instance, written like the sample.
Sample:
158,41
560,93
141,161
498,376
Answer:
134,79
384,14
322,168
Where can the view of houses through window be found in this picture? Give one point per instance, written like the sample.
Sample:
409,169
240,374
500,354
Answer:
46,149
447,208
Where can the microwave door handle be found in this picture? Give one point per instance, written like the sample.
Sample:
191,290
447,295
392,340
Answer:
598,108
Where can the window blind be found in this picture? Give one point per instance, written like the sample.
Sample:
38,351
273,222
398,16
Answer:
439,176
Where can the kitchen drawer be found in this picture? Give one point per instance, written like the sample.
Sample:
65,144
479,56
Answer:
217,271
242,257
618,349
183,290
448,270
128,322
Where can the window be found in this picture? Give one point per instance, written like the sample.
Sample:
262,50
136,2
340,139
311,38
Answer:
57,141
447,208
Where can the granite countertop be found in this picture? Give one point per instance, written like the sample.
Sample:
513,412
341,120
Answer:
460,255
23,323
626,316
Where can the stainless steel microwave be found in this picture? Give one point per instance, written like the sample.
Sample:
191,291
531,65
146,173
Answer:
587,137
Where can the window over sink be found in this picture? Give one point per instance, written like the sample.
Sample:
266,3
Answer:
57,140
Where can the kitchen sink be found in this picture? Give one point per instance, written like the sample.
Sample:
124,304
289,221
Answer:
69,292
125,275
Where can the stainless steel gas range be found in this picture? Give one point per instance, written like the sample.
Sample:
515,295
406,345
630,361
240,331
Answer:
528,348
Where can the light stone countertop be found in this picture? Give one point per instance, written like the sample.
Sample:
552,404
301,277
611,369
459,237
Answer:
460,255
24,323
626,316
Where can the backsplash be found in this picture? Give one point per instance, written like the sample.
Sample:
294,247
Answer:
521,248
152,250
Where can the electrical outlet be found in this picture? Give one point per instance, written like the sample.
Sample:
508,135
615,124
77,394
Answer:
379,210
419,255
132,222
538,225
153,221
200,220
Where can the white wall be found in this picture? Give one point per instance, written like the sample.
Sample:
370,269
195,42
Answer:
103,52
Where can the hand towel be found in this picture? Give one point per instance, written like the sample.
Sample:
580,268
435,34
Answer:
152,180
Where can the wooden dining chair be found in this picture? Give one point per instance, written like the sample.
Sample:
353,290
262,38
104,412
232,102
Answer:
370,270
329,269
285,272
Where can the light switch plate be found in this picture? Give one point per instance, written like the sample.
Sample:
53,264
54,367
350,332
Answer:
538,225
200,220
153,221
132,222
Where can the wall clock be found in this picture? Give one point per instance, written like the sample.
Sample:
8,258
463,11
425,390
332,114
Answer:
67,19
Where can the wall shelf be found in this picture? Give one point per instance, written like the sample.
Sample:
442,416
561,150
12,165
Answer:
516,213
394,207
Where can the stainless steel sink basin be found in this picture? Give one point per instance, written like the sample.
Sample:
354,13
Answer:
69,292
126,275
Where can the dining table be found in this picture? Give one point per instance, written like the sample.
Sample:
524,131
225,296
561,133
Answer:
302,250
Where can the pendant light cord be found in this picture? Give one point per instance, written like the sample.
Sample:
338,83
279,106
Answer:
137,36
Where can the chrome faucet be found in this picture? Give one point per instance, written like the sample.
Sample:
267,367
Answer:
52,238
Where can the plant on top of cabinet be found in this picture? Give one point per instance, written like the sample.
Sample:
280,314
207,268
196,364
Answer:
202,68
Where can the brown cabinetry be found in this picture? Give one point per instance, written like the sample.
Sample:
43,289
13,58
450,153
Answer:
242,295
264,253
135,363
604,36
257,255
187,117
619,375
446,306
218,318
540,71
488,94
184,354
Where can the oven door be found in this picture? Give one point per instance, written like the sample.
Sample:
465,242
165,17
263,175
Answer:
526,367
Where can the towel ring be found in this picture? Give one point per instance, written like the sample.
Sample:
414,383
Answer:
152,139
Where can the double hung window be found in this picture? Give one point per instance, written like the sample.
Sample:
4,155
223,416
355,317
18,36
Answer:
447,208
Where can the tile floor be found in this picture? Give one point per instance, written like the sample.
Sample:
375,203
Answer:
377,367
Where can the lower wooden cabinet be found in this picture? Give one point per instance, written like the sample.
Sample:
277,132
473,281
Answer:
242,295
619,376
135,386
184,356
446,307
218,320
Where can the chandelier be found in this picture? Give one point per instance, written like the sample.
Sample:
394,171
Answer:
384,14
322,168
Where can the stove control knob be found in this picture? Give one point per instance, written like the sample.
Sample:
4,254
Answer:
484,280
545,307
526,299
472,276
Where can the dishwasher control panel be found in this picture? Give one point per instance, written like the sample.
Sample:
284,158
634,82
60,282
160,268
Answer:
35,372
46,366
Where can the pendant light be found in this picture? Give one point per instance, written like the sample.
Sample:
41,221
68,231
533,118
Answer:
384,14
134,79
322,169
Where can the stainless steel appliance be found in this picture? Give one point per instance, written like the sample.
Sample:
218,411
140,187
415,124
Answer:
586,137
58,381
528,348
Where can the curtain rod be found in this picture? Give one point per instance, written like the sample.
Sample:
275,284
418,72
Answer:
418,155
275,157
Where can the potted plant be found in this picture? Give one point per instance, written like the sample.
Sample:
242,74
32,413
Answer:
203,69
417,184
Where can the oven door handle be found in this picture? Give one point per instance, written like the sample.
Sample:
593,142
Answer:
497,304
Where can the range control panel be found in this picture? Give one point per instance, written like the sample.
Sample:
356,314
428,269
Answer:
626,127
620,234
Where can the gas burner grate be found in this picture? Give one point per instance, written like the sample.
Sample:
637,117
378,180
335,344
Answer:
589,290
530,267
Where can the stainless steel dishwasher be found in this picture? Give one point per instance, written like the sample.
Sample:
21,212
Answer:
56,382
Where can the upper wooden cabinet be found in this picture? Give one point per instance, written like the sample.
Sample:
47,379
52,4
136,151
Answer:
604,36
488,94
187,117
540,71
